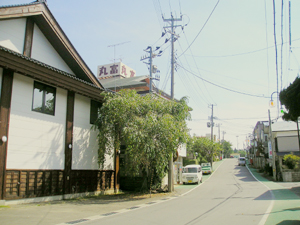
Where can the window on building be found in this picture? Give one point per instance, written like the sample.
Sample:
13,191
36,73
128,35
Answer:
43,98
95,106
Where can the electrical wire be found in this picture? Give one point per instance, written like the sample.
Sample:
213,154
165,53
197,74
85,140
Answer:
268,69
201,28
157,13
276,56
193,88
192,83
281,49
180,7
237,54
197,69
228,89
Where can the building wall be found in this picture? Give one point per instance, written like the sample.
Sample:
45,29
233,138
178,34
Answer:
12,34
36,140
85,146
43,51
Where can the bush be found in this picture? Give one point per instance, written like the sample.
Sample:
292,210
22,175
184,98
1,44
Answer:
291,161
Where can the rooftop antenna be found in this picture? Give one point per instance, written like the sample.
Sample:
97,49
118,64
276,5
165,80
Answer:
114,46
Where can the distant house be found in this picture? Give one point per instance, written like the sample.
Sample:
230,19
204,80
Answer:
286,138
49,101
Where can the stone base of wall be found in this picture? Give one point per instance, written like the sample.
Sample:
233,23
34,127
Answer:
290,176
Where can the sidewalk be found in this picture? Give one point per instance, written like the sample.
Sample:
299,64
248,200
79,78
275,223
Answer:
286,201
285,210
77,210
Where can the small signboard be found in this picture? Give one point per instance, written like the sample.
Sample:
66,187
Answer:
270,149
182,150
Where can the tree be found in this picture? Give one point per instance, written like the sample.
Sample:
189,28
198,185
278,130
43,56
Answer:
290,98
151,128
227,150
206,149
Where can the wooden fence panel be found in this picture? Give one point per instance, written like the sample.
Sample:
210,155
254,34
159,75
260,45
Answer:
39,183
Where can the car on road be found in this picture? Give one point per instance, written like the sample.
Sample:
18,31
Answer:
192,174
242,161
206,168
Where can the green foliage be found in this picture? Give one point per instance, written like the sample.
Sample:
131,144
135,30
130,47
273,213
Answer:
151,128
260,149
190,161
204,149
290,98
291,161
242,153
227,150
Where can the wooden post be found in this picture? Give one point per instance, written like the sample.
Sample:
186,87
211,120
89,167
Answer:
117,171
69,142
5,104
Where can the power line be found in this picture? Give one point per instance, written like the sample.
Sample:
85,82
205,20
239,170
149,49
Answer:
281,47
205,100
201,28
238,92
266,23
238,54
197,69
276,57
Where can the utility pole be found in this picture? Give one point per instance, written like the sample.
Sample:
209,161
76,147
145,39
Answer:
219,125
152,68
223,134
212,132
272,142
150,65
172,26
212,123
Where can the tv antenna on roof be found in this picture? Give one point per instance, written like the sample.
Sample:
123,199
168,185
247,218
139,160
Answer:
114,46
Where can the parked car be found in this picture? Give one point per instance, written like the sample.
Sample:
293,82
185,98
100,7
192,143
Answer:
206,168
242,161
192,174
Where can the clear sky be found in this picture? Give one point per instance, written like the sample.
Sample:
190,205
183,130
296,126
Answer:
225,53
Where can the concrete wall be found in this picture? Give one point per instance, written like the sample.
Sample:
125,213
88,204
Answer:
290,176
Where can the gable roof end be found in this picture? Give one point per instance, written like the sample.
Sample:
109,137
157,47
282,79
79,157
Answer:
46,22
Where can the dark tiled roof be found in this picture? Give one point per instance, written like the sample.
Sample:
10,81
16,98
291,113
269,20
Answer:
31,3
47,66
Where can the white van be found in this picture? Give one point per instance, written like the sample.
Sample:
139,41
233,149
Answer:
192,174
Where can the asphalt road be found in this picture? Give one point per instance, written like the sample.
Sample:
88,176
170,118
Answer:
230,196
